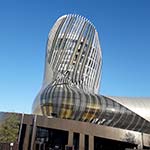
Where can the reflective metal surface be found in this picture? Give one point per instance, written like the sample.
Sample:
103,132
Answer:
139,105
72,77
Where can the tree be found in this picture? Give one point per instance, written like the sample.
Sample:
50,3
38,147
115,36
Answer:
9,129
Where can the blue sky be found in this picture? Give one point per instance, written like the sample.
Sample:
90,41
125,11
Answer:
124,32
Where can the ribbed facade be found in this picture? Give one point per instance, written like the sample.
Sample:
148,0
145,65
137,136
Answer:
61,99
73,49
72,77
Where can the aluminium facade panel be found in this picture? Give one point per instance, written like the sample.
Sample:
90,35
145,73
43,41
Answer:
72,76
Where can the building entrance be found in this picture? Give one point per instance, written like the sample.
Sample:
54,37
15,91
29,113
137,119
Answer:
50,139
107,144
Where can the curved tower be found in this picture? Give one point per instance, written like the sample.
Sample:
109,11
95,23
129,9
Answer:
71,80
73,51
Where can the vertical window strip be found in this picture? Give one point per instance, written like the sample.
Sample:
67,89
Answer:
55,41
60,51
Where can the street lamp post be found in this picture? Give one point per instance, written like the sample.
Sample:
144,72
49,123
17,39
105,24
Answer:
11,145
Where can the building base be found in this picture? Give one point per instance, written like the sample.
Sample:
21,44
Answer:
43,133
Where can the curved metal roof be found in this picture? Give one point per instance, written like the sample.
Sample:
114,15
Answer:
139,105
